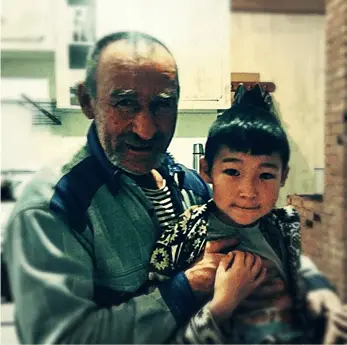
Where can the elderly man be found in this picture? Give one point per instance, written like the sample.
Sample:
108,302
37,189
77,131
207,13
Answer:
79,240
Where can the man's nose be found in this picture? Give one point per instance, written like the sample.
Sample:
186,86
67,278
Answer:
144,124
248,189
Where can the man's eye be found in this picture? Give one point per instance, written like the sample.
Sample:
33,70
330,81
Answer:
267,176
231,172
164,104
127,104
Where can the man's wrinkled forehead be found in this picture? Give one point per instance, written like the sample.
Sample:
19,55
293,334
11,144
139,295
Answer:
129,54
145,65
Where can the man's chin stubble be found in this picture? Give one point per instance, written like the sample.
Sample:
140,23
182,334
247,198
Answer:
115,161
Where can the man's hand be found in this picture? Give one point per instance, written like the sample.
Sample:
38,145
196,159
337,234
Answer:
238,275
201,275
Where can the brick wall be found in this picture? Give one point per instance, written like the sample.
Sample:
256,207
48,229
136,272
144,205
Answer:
314,236
324,220
321,236
334,221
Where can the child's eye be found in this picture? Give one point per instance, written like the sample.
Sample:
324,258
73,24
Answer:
267,176
231,172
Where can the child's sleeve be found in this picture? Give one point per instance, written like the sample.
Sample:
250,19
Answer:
179,246
311,277
163,254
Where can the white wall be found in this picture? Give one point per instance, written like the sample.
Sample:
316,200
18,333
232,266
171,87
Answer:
191,129
289,51
24,146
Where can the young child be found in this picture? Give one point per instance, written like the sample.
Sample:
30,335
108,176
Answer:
246,161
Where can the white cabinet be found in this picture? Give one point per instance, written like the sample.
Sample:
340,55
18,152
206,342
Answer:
27,25
76,36
197,33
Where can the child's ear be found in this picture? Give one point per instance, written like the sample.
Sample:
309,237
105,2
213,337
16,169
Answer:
203,170
284,176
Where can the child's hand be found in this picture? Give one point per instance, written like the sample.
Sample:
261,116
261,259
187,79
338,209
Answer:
201,275
238,274
323,299
336,329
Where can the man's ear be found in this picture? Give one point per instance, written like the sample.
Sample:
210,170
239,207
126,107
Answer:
284,176
85,101
203,170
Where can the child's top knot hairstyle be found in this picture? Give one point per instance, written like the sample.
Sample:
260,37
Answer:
249,126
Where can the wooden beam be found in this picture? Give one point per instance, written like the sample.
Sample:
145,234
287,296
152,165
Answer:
245,76
280,6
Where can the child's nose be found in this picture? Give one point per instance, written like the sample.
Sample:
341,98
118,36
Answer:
248,189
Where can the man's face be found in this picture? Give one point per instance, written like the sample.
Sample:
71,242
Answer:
136,105
245,187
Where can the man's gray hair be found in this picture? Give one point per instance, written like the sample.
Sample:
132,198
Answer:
94,56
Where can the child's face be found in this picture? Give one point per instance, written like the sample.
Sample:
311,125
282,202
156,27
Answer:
245,187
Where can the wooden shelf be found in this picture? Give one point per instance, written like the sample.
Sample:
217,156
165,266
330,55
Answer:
265,85
280,6
249,80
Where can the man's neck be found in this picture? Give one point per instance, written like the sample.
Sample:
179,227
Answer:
152,180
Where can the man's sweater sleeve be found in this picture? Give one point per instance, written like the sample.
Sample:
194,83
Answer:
51,274
201,329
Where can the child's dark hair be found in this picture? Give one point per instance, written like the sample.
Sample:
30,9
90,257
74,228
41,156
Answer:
249,126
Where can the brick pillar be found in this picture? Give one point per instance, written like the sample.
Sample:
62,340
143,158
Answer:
334,220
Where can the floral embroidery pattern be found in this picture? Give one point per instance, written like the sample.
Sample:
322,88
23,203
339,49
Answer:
160,259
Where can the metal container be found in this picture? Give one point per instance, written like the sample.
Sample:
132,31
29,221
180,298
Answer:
198,152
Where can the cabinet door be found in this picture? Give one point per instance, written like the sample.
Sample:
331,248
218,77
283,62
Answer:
27,25
197,33
76,36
